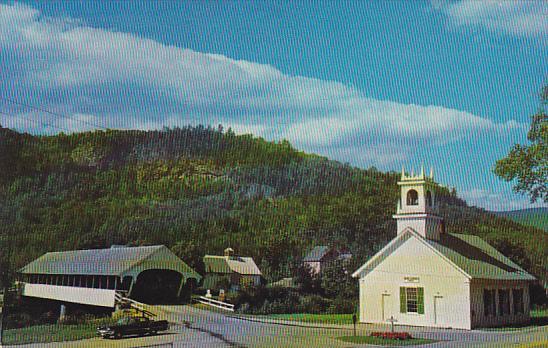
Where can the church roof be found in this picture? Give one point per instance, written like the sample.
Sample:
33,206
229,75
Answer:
477,258
469,254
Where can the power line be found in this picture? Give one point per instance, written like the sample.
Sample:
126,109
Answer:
36,121
52,112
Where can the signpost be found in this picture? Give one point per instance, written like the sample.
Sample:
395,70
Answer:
354,320
392,321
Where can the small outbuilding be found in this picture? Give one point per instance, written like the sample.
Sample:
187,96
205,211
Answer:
229,271
95,277
320,256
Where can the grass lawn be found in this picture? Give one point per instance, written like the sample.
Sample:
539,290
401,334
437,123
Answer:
51,333
338,319
384,341
539,313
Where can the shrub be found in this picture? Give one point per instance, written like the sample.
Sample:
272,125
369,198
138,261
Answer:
342,306
313,304
19,320
392,335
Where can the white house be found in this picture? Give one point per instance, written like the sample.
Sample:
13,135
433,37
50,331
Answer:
427,277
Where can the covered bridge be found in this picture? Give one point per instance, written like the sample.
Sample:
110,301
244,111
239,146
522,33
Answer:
94,277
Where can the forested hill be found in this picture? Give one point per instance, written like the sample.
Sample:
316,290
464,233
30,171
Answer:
536,217
199,190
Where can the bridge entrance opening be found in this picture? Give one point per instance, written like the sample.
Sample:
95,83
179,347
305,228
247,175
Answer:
157,286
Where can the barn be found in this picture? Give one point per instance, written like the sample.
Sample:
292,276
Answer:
97,277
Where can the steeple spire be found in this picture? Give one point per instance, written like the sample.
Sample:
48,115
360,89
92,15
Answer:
417,206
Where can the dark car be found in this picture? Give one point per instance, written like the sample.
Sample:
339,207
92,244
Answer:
137,326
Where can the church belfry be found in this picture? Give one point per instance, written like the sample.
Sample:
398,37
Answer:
417,207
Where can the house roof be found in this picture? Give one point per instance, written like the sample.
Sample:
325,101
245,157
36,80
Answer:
284,283
229,264
469,254
115,261
317,253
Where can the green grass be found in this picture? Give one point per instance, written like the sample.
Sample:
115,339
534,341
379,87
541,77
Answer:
338,319
539,313
52,333
384,341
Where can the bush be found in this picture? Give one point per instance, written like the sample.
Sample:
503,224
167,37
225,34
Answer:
392,335
262,300
342,306
314,304
19,320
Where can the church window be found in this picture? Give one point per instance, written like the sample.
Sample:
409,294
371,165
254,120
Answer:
517,294
412,197
489,307
412,300
428,198
504,302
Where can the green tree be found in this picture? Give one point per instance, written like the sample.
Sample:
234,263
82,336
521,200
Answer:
337,281
191,254
528,164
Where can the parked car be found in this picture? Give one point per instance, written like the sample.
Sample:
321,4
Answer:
132,326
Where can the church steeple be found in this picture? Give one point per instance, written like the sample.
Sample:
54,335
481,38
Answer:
417,206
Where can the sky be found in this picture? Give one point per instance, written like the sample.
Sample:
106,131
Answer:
387,84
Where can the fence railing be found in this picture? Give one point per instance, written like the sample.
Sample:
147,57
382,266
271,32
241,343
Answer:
214,303
138,306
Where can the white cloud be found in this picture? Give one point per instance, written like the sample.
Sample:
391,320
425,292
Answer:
84,70
521,18
497,201
120,80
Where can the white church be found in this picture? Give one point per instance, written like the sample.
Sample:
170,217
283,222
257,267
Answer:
427,277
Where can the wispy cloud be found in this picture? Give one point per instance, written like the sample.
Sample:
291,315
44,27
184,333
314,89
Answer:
521,18
496,201
121,80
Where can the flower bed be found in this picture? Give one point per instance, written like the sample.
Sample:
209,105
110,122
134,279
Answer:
392,335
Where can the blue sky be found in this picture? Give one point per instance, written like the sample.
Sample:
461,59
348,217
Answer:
385,84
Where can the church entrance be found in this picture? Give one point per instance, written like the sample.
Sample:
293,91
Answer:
438,311
386,307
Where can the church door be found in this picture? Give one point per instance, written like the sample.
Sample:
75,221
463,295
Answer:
438,311
386,307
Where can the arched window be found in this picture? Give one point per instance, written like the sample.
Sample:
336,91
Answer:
428,198
412,197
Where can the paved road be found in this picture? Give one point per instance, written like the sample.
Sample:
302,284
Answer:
193,327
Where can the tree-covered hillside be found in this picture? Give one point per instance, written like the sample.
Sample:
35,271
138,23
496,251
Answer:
536,217
199,190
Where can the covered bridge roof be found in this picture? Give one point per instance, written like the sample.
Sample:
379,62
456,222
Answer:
116,261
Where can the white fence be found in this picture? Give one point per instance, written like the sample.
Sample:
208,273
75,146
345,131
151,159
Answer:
140,307
214,303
